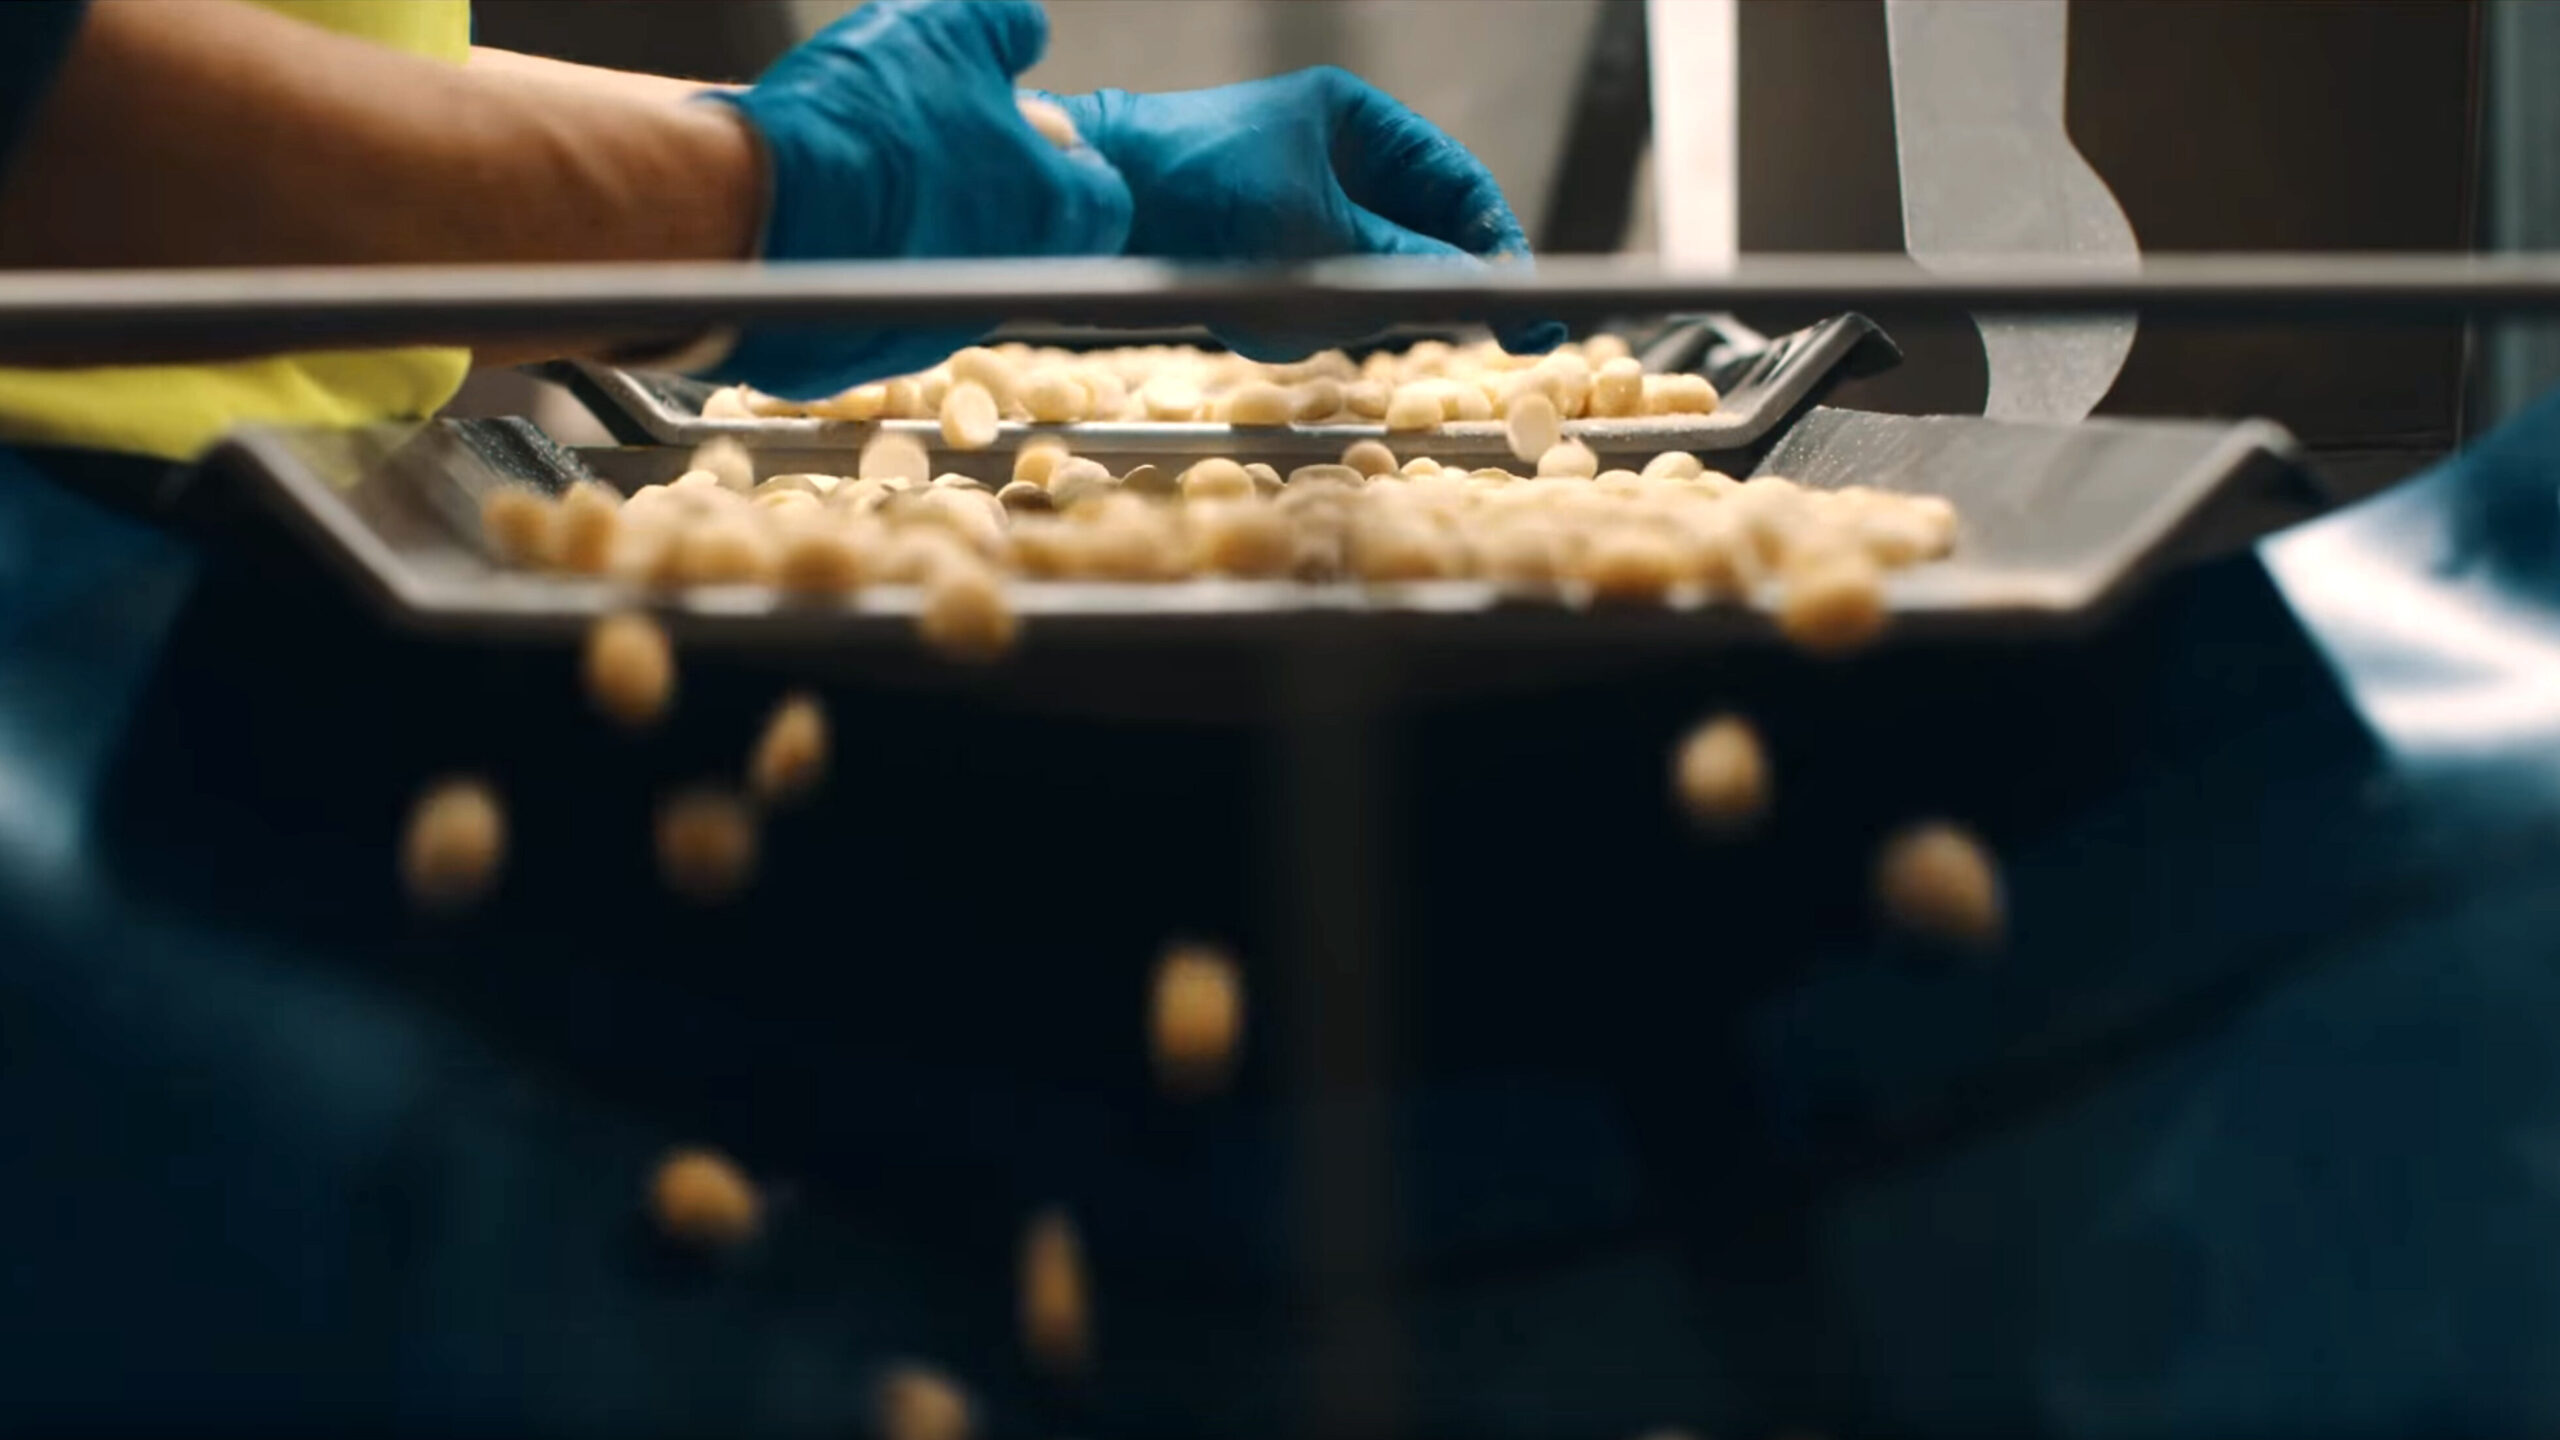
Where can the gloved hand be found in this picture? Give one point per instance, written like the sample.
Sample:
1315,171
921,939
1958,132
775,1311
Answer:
1315,163
894,132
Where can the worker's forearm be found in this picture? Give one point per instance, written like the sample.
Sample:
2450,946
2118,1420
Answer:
212,132
538,70
538,73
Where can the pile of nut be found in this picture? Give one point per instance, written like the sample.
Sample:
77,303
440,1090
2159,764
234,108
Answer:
1419,388
1673,532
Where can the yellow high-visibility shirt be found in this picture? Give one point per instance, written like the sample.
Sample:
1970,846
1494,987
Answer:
176,411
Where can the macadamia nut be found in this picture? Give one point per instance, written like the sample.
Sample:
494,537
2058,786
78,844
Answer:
454,844
1056,1311
791,756
917,1403
1721,776
1532,426
1197,1020
1052,123
700,1197
970,420
630,669
1937,880
707,844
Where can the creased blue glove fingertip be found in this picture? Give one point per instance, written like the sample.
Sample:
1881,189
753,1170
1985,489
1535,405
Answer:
1534,338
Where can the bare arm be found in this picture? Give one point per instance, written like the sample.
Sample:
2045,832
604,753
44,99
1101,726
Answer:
592,79
213,132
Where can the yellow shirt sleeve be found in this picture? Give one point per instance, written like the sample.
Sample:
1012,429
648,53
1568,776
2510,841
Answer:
176,411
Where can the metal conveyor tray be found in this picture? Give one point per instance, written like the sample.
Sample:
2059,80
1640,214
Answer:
1765,384
2058,521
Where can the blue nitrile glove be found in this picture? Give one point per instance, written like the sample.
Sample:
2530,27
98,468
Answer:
1298,166
895,132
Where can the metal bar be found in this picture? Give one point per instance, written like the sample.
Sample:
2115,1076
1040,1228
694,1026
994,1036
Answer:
1329,806
1592,184
254,309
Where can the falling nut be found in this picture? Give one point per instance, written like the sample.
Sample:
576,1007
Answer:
1721,775
454,844
707,844
630,669
1935,879
1532,427
989,370
916,1402
970,419
791,756
700,1197
1056,1308
1197,1024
